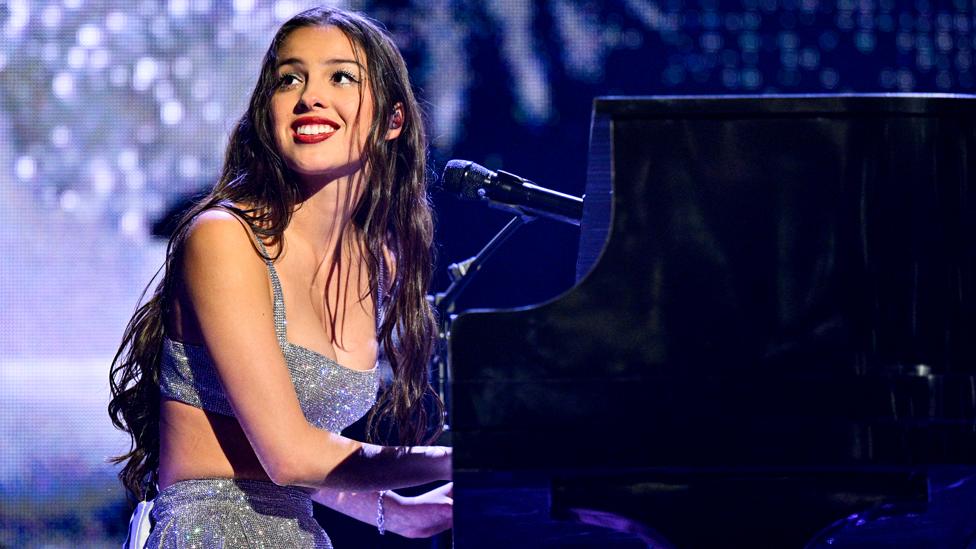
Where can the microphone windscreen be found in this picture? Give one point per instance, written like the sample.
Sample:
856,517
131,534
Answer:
464,178
453,174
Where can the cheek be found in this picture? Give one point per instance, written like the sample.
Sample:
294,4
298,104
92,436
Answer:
363,122
279,132
277,109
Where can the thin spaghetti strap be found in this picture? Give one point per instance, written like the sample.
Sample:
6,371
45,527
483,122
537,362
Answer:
380,282
281,323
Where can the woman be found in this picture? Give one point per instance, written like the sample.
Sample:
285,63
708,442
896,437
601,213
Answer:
260,343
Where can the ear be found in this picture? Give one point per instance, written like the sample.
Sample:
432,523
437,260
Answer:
396,122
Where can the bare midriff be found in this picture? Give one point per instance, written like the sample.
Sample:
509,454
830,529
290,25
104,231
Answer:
197,444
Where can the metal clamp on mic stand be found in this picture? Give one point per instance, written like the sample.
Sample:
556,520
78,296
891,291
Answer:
461,274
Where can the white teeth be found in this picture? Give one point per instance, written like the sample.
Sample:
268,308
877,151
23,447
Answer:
315,129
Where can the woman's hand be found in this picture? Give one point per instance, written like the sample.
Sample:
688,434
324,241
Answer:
421,516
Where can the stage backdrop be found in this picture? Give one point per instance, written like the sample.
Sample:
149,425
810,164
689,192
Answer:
113,113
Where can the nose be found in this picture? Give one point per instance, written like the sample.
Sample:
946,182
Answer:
311,98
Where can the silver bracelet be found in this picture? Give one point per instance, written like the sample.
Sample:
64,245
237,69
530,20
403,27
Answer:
380,518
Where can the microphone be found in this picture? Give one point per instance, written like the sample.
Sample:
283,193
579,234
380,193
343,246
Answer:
509,192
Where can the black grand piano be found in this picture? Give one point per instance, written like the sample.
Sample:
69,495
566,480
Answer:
773,328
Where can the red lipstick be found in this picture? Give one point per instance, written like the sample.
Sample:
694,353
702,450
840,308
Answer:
312,120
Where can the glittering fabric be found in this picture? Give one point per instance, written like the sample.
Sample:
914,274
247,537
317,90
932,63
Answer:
229,513
332,396
226,513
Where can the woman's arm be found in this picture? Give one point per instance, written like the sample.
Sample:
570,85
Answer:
228,288
412,517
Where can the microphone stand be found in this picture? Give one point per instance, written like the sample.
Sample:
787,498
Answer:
461,274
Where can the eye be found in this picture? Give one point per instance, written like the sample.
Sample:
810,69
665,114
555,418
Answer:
344,78
289,80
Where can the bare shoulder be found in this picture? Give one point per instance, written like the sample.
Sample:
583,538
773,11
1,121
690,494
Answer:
217,229
218,240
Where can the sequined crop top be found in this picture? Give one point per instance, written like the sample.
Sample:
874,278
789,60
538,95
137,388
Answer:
332,396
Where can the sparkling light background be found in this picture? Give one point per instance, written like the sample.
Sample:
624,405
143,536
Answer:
111,112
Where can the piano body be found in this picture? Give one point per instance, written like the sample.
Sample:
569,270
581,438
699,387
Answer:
773,327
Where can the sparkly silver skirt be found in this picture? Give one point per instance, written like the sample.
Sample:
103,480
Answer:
228,513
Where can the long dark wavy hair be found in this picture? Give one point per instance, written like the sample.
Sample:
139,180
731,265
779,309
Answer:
393,213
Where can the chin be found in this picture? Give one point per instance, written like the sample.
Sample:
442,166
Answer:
319,171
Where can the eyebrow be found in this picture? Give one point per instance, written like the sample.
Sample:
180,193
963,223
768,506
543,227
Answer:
334,61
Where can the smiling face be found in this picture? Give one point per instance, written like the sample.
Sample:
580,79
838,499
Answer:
322,107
